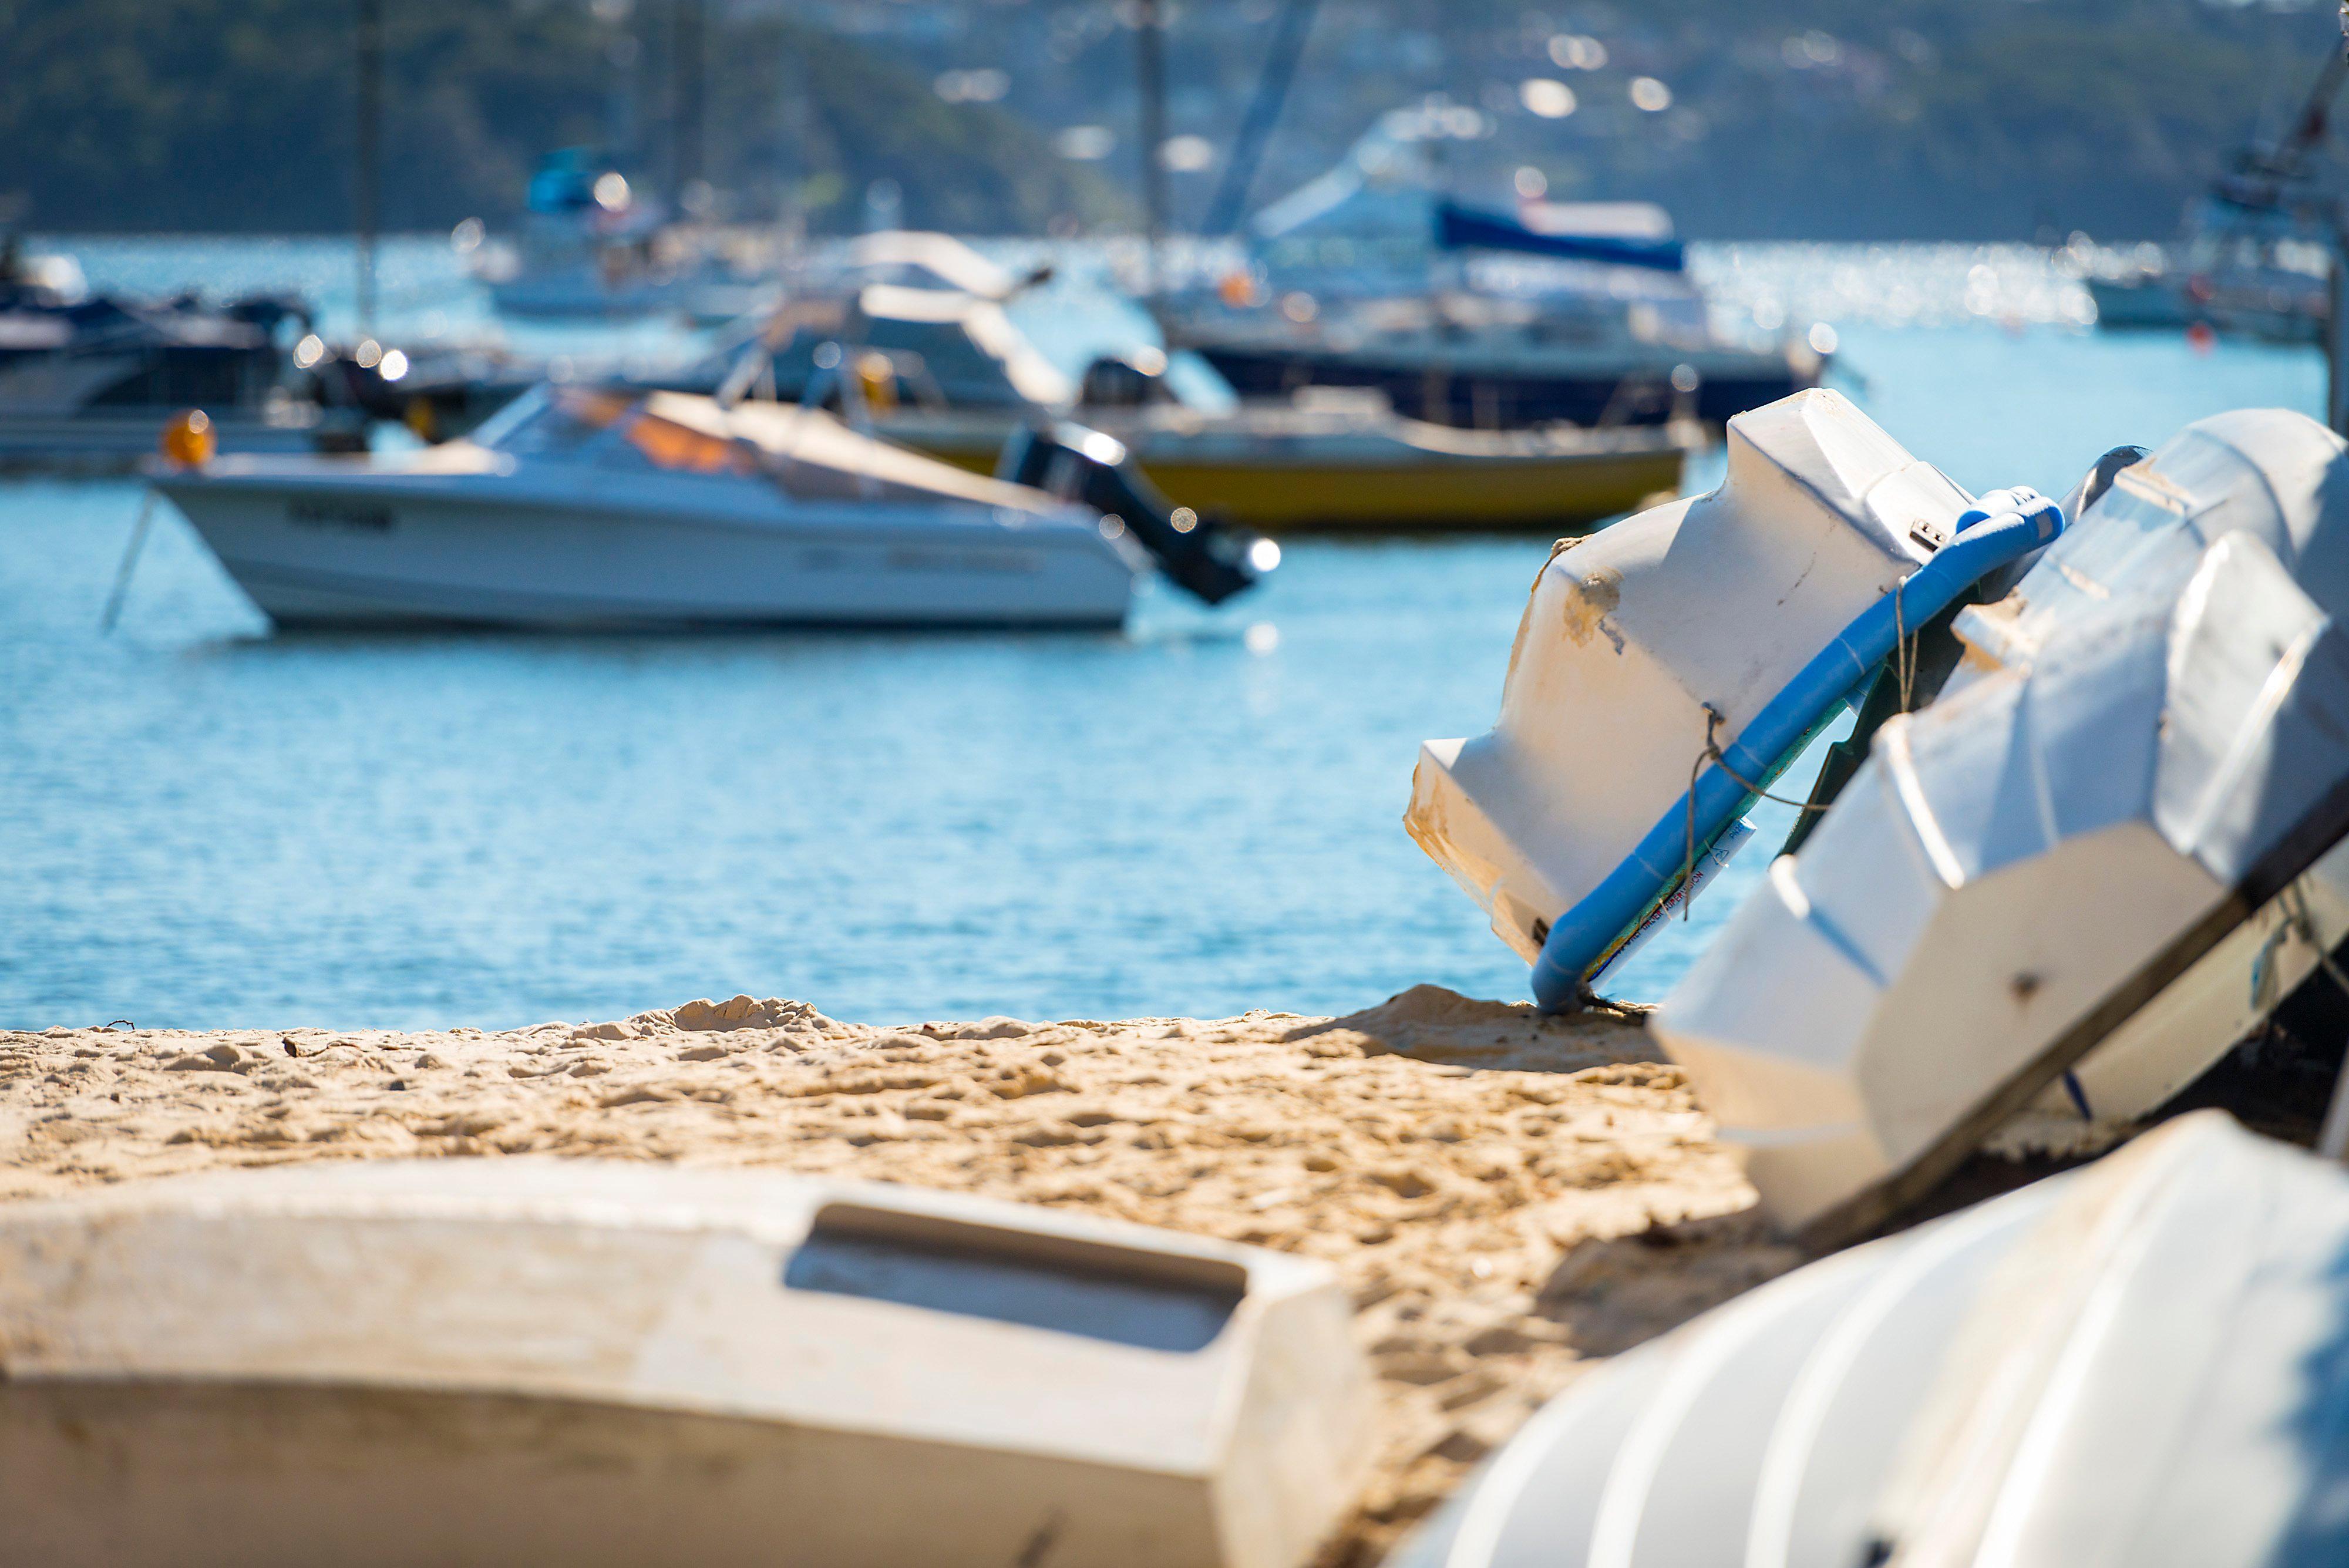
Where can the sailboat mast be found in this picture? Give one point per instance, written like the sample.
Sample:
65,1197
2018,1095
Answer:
367,176
1230,204
687,65
1150,69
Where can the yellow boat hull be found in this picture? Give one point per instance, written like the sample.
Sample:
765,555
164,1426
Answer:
1394,490
1536,495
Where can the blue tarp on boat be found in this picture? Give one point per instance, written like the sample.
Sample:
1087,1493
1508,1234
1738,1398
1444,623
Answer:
1459,228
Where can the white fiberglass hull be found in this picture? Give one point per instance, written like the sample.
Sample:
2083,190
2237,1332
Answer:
603,1364
2069,886
2137,1363
314,543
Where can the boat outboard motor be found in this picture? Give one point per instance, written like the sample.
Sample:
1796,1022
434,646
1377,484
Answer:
2062,892
1208,555
1124,381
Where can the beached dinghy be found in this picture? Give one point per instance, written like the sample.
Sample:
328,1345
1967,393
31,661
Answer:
2107,849
2140,1363
2100,859
1746,615
551,1361
577,508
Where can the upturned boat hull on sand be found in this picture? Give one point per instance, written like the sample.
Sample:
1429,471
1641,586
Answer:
2139,1362
2061,886
2107,849
518,1360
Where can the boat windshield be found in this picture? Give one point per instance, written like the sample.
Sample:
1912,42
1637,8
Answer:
549,421
608,428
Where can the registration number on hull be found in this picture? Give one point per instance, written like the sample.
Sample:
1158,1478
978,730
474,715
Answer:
355,515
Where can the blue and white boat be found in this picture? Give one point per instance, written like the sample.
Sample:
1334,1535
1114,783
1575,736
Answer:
1372,276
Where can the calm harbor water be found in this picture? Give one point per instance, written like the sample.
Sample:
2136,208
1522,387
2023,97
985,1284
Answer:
206,824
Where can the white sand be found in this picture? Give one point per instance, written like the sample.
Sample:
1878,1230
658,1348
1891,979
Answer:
1507,1197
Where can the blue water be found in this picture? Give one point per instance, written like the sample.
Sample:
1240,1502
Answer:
205,824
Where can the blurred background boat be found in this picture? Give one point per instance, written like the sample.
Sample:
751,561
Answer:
592,245
945,370
2257,255
88,381
1372,275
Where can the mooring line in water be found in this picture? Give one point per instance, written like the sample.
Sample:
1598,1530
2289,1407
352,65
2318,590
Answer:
129,561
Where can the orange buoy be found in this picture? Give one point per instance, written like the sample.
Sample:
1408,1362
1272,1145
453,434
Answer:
189,438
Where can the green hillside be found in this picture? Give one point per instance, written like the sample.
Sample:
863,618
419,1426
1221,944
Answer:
1819,119
237,115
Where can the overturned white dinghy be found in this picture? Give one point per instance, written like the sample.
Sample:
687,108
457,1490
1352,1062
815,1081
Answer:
2110,847
2143,1363
1747,616
542,1361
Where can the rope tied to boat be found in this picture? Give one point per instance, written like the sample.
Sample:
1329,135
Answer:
1904,669
1712,754
2000,529
1904,648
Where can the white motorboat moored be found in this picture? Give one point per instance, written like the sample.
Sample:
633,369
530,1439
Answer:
580,508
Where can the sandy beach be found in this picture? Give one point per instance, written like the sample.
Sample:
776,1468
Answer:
1508,1198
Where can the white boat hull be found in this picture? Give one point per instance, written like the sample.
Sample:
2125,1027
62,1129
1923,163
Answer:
2137,1363
593,550
602,1363
2100,859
